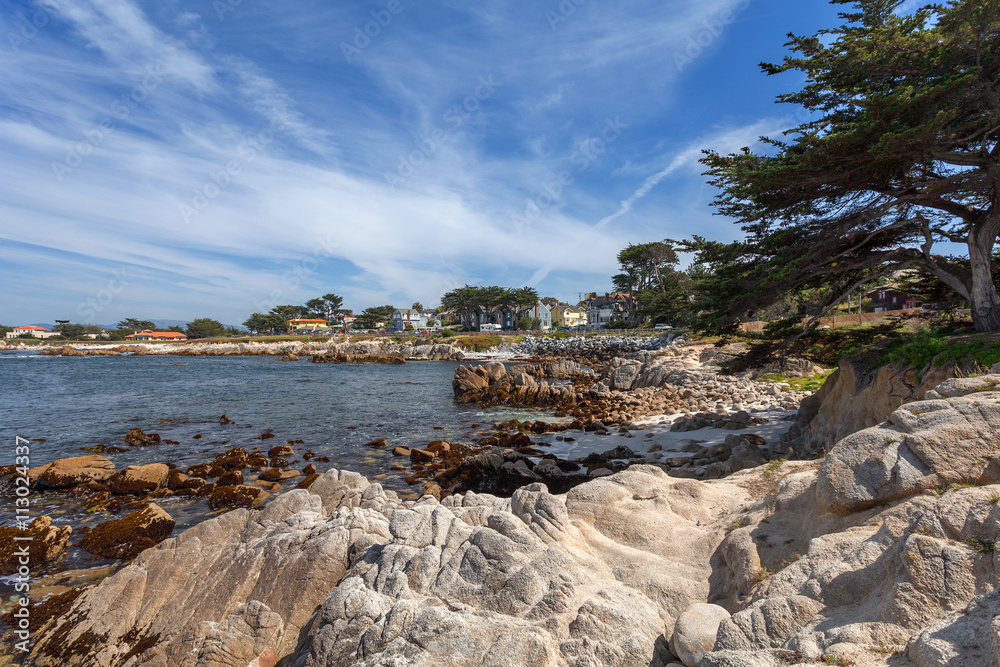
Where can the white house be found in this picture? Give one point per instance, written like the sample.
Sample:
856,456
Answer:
37,332
416,320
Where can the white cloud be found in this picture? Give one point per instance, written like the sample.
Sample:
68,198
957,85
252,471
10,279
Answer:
448,224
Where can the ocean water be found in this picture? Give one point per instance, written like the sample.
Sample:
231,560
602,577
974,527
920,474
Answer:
66,404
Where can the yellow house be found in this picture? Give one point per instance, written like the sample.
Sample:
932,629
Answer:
565,315
300,324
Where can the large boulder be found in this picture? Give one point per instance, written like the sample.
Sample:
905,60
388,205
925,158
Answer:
470,382
70,472
139,480
924,445
129,536
857,397
968,637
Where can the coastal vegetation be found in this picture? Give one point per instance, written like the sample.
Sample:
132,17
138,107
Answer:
490,301
899,152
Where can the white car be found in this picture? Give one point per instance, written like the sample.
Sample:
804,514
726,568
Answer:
660,327
490,327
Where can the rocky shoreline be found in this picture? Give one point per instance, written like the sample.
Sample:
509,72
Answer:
653,518
841,561
367,350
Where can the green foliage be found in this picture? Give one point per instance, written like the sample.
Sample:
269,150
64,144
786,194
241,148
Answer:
662,292
478,343
896,155
205,328
69,331
130,326
786,338
523,323
618,324
370,318
982,546
491,300
417,306
259,323
644,265
290,312
447,333
806,383
326,307
928,345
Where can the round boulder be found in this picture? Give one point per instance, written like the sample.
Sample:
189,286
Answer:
695,632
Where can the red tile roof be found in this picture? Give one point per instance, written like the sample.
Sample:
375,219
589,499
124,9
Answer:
157,334
32,328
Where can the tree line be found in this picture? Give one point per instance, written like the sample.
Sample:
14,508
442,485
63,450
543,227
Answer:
469,301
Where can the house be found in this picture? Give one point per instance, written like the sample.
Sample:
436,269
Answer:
345,320
37,332
414,319
602,310
565,315
886,299
298,325
157,335
539,312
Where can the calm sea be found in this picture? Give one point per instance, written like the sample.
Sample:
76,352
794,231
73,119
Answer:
70,403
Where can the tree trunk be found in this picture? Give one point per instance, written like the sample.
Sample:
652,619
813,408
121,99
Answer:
985,300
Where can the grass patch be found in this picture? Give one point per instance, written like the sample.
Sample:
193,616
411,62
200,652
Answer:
982,546
807,383
761,575
479,343
927,346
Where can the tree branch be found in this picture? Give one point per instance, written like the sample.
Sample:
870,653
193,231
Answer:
947,278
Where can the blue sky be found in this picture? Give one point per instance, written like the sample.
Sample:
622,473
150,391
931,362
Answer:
180,159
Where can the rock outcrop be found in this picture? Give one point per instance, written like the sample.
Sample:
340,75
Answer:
924,445
857,397
345,572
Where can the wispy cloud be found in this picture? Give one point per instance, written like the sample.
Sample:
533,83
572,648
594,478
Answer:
334,130
725,142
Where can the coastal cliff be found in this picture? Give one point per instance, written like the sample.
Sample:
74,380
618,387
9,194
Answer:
857,396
